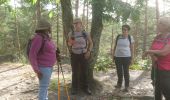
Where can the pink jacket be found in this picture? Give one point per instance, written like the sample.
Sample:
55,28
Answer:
47,56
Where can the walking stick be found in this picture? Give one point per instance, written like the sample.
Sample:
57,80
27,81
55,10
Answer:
58,84
66,89
59,67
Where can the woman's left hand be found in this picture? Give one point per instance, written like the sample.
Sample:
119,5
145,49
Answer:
87,55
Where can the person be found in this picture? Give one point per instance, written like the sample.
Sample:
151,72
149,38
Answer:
81,46
123,56
160,51
42,56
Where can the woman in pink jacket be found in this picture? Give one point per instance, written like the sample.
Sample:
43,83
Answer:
42,56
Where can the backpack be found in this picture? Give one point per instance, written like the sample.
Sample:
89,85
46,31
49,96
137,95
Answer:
129,38
28,47
83,35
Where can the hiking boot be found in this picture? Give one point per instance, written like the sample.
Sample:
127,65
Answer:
87,91
73,91
126,89
117,86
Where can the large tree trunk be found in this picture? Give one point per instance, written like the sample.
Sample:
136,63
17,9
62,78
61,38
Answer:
67,17
96,29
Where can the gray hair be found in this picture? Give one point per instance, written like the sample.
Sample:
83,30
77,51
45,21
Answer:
165,21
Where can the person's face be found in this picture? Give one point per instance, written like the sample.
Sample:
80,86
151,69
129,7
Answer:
125,30
77,25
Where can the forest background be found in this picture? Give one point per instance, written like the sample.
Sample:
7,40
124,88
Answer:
102,18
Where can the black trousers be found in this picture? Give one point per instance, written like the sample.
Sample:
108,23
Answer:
79,71
162,84
122,66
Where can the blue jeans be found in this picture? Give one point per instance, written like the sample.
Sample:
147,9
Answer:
44,82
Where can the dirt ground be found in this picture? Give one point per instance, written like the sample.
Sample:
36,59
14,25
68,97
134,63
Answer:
18,82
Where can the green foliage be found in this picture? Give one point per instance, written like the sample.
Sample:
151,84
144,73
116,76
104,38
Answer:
57,1
3,1
121,11
32,1
50,14
136,67
103,63
135,15
140,65
53,85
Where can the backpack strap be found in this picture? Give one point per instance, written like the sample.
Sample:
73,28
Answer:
117,40
84,35
129,38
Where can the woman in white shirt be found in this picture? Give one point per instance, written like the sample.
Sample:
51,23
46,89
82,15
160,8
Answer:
123,55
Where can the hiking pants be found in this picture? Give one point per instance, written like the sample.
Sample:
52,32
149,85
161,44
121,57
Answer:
162,85
79,71
122,67
44,82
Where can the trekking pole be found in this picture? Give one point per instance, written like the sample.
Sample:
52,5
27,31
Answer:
58,84
66,89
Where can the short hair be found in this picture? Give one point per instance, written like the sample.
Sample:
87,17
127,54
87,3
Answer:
77,20
126,26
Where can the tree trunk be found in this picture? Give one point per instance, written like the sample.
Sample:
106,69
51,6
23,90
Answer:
38,10
83,18
146,28
57,24
96,29
67,17
76,8
17,32
87,23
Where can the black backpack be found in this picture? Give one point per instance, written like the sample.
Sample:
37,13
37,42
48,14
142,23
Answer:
28,47
129,38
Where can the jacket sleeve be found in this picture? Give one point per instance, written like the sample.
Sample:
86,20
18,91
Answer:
35,47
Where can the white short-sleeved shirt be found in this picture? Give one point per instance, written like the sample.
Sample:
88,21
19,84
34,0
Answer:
123,47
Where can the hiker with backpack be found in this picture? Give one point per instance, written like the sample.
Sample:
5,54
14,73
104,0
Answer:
123,56
160,54
42,56
81,45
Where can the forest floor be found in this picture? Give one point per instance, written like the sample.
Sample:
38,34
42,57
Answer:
18,82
